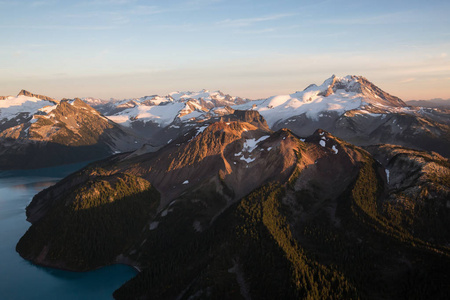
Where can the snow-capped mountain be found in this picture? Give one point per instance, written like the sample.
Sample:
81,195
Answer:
163,110
38,131
356,110
336,95
17,110
153,116
433,103
349,107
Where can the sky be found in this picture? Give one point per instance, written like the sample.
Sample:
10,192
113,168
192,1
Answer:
248,48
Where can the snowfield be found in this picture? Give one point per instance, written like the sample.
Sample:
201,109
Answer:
12,106
309,102
161,114
164,110
251,144
336,95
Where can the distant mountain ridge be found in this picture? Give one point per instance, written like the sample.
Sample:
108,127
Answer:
433,103
349,107
38,131
28,94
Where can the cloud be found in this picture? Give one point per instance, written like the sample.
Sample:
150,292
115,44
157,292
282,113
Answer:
258,31
180,27
57,27
145,10
250,21
275,31
42,3
9,3
111,2
390,18
119,16
407,80
202,2
18,53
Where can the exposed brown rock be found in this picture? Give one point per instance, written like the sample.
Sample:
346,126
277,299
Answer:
28,94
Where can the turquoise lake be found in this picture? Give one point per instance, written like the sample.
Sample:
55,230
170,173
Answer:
20,279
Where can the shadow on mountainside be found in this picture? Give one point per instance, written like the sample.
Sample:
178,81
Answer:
16,154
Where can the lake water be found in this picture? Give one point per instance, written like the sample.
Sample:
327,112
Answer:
20,279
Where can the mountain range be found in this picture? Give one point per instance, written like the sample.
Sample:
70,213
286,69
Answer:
433,103
351,108
339,191
37,131
237,210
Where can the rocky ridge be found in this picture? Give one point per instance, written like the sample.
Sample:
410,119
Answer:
36,132
233,195
349,107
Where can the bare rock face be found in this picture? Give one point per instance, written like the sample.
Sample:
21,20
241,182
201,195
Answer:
360,85
248,116
417,191
28,94
368,88
70,131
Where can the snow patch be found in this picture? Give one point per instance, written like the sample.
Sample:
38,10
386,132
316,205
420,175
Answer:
12,106
387,174
153,225
322,143
186,182
251,144
335,150
163,115
247,160
201,129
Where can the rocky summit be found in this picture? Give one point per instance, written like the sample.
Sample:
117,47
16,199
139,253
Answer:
37,131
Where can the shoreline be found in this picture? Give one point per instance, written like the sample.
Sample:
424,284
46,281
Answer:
119,261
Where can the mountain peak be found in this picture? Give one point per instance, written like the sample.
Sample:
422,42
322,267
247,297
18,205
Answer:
28,94
248,116
360,85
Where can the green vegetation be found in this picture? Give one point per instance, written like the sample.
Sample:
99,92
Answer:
95,228
274,243
263,222
376,254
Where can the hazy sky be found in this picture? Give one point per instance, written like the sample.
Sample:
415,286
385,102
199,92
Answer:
250,48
